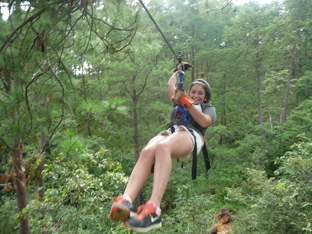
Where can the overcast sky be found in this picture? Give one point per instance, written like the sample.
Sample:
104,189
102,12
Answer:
4,9
239,2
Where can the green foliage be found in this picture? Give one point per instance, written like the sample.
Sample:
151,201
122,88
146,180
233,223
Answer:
193,213
260,147
100,70
299,122
303,85
274,89
277,206
77,196
8,218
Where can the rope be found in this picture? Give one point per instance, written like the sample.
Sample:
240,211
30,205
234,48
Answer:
158,27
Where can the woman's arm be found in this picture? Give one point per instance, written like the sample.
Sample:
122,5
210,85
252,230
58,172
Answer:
204,120
171,85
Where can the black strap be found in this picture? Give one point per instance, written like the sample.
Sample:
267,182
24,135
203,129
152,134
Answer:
194,161
206,158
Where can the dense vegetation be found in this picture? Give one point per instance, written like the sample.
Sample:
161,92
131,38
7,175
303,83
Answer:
83,89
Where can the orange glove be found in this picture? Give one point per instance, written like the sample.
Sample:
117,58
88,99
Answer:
186,66
180,98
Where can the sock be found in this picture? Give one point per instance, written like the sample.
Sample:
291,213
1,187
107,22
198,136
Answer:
127,198
158,210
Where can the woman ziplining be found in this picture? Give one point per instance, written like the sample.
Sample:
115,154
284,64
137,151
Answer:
184,139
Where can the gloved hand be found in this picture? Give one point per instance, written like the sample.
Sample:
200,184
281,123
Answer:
180,98
185,67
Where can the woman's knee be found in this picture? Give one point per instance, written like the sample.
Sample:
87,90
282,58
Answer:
162,148
147,154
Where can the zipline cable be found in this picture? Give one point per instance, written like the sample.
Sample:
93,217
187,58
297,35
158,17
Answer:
158,28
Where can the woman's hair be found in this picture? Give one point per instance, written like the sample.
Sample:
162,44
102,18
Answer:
206,87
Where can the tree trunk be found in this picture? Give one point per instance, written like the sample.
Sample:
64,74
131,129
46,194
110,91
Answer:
18,177
223,112
259,89
292,64
40,170
295,75
20,185
100,90
85,98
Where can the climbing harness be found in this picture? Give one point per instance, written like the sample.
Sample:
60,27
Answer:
182,117
187,119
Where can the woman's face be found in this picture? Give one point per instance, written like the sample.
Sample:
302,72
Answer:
197,93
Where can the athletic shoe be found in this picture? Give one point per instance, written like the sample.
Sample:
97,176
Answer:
148,218
121,209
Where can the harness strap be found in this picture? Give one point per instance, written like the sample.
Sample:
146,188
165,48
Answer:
194,161
206,158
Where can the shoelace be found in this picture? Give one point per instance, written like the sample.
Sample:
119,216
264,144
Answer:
144,210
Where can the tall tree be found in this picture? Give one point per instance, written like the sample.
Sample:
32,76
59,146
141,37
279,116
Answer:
297,24
247,34
36,53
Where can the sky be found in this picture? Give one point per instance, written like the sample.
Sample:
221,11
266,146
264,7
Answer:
5,15
240,2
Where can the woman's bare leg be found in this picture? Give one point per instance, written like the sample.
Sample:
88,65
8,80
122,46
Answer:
142,169
177,145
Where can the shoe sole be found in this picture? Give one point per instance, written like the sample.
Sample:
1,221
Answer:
119,213
144,229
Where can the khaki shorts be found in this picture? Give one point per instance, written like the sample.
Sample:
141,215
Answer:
198,138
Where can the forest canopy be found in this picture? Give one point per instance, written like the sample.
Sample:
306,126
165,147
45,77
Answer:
83,89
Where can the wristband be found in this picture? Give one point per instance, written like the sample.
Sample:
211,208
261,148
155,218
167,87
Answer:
185,101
